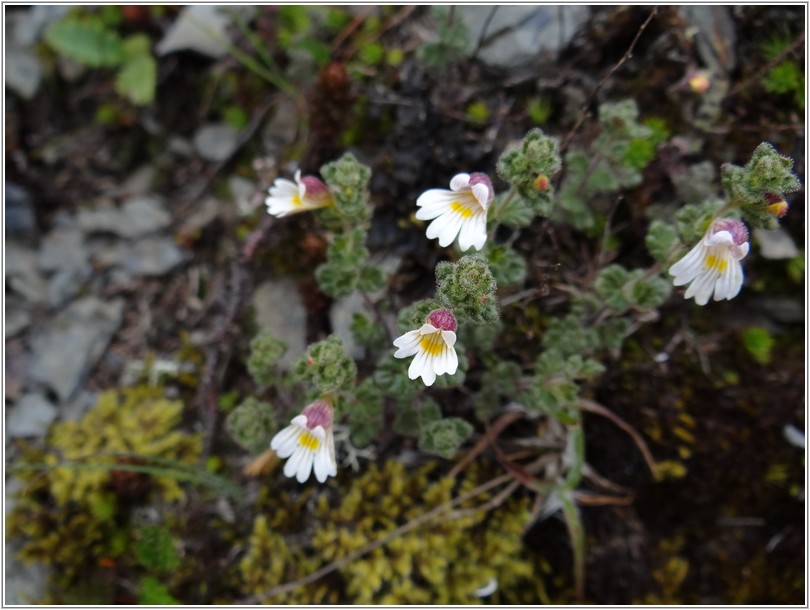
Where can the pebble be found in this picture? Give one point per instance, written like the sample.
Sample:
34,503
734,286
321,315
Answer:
152,256
216,141
200,28
72,342
279,309
529,31
775,245
31,416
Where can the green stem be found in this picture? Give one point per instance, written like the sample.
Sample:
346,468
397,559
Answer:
577,532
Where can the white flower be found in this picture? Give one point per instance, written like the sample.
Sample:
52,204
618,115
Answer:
308,443
433,346
461,211
713,265
287,197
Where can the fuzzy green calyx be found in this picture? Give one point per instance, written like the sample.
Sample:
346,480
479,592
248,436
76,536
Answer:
326,365
348,180
251,424
751,187
265,351
530,167
467,287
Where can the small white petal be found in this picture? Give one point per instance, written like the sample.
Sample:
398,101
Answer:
427,329
428,376
417,364
305,466
408,344
452,365
481,194
739,252
460,182
721,238
449,337
285,442
450,232
291,467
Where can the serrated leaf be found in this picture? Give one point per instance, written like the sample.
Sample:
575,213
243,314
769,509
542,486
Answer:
443,437
86,41
137,79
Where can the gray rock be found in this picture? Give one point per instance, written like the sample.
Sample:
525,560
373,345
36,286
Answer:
775,245
340,316
152,256
138,183
517,34
101,219
23,71
145,214
16,369
25,582
31,416
22,274
202,28
70,345
19,214
216,141
203,214
243,192
715,35
24,28
17,320
63,249
75,409
66,284
279,309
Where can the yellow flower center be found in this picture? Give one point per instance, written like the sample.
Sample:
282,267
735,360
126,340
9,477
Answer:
464,209
716,262
309,441
297,201
432,343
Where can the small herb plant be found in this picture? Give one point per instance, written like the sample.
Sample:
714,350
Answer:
701,247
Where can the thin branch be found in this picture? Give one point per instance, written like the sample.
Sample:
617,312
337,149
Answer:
594,407
586,107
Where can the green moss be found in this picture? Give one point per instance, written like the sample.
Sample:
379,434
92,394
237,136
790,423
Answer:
71,515
441,562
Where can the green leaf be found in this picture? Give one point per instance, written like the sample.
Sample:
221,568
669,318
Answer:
507,266
136,45
86,41
371,279
516,213
444,436
650,293
662,240
759,342
152,592
154,549
137,79
609,286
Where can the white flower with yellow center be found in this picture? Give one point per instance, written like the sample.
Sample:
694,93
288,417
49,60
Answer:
432,344
309,444
461,211
287,197
713,265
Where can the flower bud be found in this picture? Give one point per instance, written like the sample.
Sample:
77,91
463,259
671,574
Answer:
443,319
541,183
776,205
699,82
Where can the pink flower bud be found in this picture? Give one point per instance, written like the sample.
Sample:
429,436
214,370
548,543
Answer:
738,231
443,319
319,413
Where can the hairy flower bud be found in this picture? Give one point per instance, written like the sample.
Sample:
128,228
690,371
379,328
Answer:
776,205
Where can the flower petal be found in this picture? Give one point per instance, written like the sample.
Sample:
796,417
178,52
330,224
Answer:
460,182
